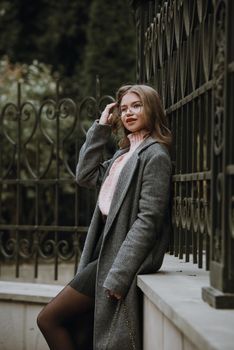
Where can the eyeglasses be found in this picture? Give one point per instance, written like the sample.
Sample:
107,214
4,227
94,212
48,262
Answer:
134,109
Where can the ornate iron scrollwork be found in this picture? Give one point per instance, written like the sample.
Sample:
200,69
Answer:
40,143
175,56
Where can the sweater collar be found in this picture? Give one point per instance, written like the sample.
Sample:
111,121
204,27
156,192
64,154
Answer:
137,137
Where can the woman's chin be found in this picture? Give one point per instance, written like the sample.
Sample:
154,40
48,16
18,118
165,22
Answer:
132,128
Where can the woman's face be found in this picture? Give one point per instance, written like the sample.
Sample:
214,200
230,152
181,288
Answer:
132,112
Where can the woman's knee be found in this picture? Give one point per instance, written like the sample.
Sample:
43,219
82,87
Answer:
42,320
67,305
46,320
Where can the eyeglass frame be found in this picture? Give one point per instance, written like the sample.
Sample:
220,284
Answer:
130,109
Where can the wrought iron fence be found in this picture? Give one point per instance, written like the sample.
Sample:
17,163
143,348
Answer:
186,50
44,214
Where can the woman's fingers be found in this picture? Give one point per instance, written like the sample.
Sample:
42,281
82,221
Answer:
117,296
109,106
110,118
113,295
106,116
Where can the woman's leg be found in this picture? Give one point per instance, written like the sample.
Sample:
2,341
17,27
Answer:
60,315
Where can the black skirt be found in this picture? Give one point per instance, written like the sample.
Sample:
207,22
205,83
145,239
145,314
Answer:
85,281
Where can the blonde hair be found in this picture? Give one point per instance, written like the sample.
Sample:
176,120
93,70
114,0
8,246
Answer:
156,120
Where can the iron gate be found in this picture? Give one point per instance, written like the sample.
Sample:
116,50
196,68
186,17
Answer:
186,51
44,214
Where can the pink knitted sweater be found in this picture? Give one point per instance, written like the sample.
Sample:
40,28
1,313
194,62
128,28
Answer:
109,185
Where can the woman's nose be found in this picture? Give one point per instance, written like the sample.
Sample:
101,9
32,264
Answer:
129,110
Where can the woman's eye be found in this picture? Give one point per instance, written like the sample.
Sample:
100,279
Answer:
137,105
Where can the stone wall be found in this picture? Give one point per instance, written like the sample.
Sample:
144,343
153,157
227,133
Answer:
176,317
20,304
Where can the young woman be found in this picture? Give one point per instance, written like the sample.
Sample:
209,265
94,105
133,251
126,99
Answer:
128,233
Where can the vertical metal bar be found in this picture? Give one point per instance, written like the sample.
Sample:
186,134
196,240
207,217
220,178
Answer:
194,237
187,170
182,137
76,207
208,183
141,34
206,168
37,199
199,165
18,168
199,234
178,185
181,240
1,165
56,206
171,119
1,173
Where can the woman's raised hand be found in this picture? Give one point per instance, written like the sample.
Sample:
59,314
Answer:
106,114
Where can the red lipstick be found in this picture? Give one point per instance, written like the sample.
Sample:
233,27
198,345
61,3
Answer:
130,119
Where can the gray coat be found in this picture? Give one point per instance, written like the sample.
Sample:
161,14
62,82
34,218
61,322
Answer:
135,233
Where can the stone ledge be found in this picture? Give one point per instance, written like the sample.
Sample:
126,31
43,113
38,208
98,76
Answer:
28,292
176,292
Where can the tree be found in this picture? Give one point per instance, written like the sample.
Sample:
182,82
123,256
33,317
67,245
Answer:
52,32
63,40
110,50
55,33
10,27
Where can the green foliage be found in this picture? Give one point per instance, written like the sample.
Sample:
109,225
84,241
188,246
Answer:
38,79
80,39
34,130
110,50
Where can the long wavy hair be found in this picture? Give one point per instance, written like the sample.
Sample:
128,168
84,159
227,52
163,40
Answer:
156,120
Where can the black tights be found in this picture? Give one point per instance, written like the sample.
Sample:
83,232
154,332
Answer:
60,321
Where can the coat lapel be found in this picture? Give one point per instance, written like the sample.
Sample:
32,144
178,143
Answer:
125,181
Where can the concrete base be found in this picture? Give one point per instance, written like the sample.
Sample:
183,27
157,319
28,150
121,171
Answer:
176,317
218,299
20,303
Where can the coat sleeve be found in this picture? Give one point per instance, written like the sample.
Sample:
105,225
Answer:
141,238
90,168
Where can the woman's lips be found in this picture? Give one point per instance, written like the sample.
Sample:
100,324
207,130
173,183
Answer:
129,120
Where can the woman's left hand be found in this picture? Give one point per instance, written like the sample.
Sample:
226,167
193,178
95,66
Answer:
113,295
107,114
